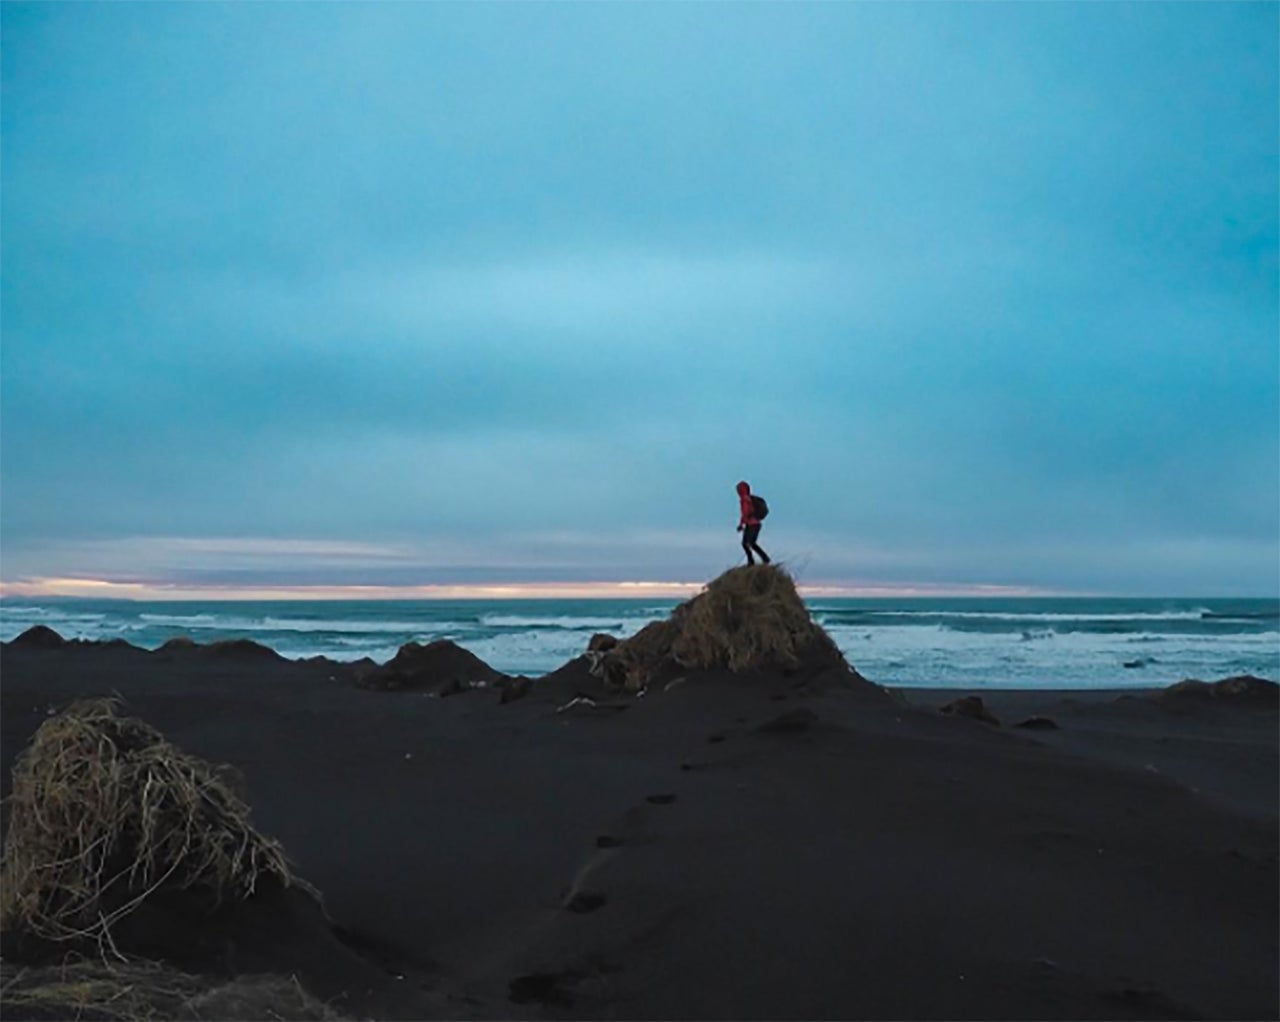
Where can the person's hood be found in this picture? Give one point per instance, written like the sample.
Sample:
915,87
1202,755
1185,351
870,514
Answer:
743,489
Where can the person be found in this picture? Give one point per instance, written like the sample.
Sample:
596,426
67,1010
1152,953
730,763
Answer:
749,524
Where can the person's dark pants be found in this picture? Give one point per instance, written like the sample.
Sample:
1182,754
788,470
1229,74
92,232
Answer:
750,534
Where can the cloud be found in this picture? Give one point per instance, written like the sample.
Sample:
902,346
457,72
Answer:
609,295
957,287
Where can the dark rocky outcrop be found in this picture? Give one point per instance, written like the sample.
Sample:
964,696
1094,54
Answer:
442,666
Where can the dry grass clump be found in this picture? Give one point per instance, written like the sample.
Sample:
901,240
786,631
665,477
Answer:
149,991
104,812
750,617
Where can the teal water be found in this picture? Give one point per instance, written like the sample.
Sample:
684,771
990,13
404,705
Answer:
953,642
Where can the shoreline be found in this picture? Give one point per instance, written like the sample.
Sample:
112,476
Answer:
984,644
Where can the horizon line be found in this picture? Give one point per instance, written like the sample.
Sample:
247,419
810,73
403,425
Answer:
160,592
64,587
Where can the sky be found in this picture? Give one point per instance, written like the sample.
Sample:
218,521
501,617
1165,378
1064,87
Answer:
983,297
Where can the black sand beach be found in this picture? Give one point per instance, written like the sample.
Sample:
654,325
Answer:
761,845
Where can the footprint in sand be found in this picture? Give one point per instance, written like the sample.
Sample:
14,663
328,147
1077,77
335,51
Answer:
543,988
791,722
585,901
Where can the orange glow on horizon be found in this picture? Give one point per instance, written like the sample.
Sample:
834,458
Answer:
37,588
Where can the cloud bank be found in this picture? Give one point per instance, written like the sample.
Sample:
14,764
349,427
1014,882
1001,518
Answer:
435,295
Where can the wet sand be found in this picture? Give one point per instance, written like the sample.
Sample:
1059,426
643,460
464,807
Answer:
731,847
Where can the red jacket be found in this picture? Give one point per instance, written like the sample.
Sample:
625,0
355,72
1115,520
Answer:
747,508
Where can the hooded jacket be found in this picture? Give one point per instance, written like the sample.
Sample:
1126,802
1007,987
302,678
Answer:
747,508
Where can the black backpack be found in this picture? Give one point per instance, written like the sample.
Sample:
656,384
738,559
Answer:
759,507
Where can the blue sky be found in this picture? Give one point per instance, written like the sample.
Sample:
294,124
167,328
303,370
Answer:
411,294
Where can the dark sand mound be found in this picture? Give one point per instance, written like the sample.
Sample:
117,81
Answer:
749,620
441,666
40,637
225,649
239,648
1244,690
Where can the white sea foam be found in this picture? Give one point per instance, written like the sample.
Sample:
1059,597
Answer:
191,620
518,649
34,612
839,614
928,655
43,615
531,652
286,624
275,624
566,622
381,654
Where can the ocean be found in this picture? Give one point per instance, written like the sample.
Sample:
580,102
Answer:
971,643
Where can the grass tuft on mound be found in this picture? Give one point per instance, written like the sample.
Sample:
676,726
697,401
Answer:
104,812
144,990
750,617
